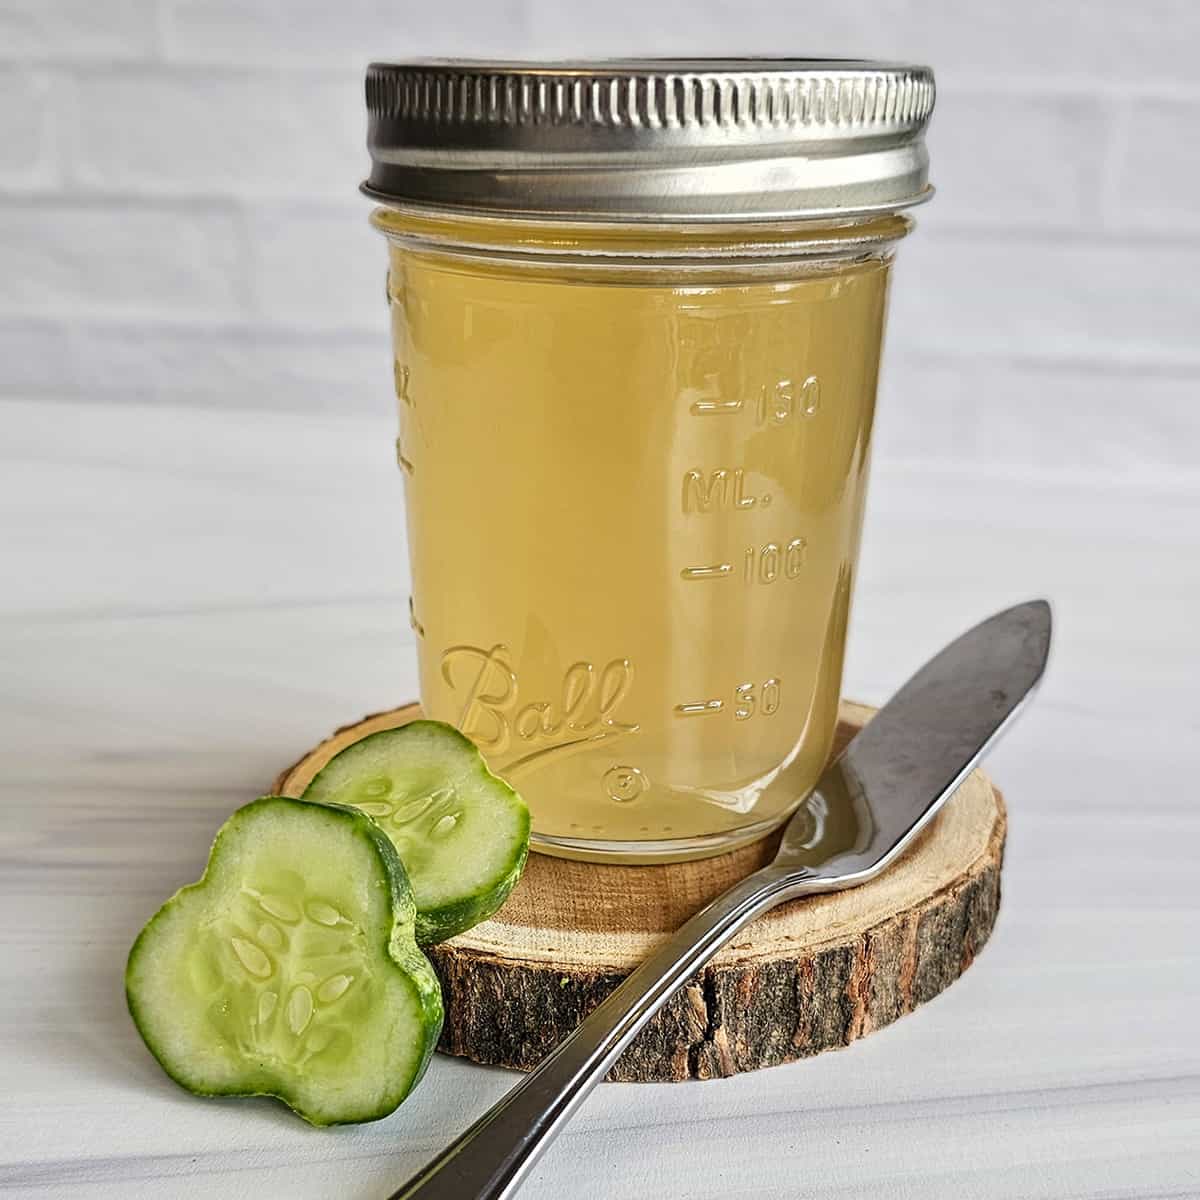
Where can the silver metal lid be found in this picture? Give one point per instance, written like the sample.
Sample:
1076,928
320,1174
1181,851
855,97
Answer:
650,139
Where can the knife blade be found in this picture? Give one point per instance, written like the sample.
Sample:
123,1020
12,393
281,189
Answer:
865,809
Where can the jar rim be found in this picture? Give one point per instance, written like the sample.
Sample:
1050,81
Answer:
709,252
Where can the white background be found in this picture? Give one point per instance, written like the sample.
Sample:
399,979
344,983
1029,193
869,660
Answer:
179,222
202,572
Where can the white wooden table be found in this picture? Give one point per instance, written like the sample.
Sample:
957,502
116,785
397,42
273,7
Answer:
190,598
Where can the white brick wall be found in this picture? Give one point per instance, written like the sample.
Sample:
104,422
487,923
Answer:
216,131
70,31
178,219
29,152
141,261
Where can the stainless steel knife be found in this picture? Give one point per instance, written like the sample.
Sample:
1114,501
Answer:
865,809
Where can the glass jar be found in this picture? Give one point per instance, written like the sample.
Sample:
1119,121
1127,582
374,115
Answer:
636,392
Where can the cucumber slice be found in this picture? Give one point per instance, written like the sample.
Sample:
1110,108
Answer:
290,969
462,834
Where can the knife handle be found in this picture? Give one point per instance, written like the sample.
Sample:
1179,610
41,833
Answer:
490,1160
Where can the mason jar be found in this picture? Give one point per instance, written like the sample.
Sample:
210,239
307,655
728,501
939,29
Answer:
637,311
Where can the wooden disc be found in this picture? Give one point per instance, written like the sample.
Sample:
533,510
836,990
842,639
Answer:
812,975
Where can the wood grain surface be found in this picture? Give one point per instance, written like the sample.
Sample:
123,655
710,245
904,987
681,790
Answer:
808,976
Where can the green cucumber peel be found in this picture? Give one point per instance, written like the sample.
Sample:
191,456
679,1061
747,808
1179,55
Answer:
291,969
461,832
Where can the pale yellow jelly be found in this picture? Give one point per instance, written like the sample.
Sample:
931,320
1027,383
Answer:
634,493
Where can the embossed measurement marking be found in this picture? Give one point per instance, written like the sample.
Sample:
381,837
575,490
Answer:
785,402
748,699
405,464
401,377
724,488
762,564
765,564
716,571
703,408
777,403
